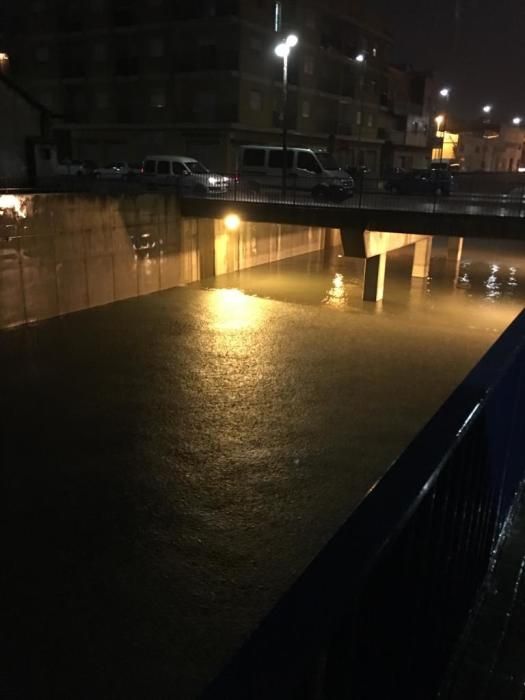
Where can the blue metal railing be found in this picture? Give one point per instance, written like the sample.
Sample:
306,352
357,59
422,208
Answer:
377,614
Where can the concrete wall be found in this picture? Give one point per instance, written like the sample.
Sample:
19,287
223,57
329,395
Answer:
62,253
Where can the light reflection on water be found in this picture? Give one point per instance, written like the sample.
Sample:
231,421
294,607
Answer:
491,280
484,291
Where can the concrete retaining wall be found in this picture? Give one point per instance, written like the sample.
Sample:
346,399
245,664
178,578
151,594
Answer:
62,253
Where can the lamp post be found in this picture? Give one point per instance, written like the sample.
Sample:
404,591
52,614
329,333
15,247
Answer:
445,94
440,121
487,109
360,59
283,51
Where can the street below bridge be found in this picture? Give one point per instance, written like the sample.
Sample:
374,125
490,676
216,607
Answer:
172,463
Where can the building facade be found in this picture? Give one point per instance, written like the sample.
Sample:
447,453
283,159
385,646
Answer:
200,78
409,121
495,148
26,151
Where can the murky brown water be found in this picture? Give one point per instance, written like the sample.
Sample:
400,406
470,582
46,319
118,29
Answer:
485,292
171,463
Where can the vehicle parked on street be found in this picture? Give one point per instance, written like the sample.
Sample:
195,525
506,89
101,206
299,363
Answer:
310,172
76,167
433,181
189,175
118,170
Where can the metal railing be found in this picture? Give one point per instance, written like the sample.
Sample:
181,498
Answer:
368,194
379,611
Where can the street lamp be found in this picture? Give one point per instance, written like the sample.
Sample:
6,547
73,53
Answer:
361,60
445,94
517,121
283,51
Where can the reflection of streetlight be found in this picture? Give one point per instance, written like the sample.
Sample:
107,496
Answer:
283,51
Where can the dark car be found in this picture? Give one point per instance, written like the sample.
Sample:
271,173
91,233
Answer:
433,181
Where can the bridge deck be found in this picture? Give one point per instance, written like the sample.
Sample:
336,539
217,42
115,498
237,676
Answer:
454,216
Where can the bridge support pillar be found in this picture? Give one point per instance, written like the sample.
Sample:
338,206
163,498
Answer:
421,263
454,249
454,252
374,281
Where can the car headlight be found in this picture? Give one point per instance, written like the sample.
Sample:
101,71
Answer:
213,180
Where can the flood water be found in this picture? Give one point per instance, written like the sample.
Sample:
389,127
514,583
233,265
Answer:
173,462
483,293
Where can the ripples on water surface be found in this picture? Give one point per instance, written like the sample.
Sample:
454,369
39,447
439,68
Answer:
484,292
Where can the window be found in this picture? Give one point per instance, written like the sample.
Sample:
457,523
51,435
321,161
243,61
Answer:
309,65
158,99
370,120
101,100
42,54
306,161
358,118
255,100
156,47
99,52
177,168
306,109
163,167
276,159
149,167
253,157
374,52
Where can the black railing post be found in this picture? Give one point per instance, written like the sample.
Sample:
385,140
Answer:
361,187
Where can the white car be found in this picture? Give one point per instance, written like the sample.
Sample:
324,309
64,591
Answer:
71,167
119,170
189,175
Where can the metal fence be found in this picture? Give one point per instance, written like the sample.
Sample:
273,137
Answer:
379,611
369,194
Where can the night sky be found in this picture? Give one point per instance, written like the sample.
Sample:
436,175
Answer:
475,46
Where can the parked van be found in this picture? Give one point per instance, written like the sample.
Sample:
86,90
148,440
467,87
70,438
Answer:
310,172
188,174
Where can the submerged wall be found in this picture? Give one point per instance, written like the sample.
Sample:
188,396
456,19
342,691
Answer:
62,253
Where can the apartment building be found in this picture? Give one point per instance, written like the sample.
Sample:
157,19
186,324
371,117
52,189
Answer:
132,78
409,123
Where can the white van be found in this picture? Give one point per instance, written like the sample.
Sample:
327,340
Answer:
187,174
310,172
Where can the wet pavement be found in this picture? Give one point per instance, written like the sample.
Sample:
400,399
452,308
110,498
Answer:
171,463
